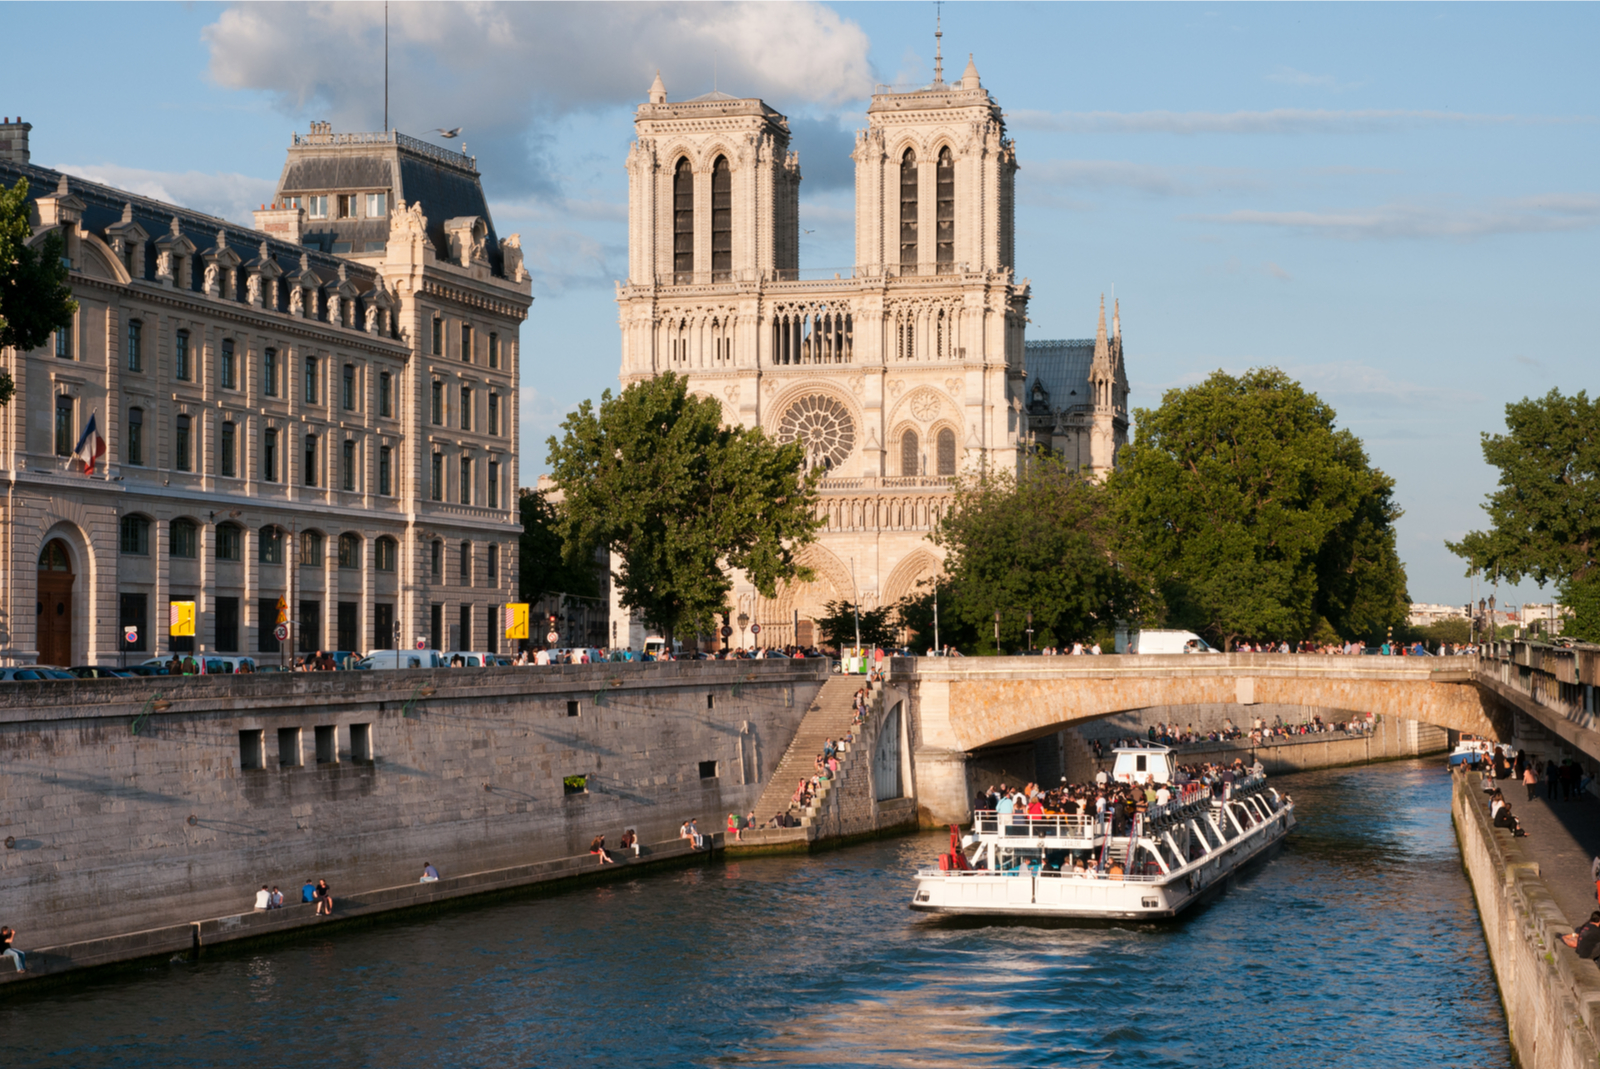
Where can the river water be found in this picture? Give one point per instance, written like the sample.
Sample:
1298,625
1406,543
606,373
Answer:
1357,945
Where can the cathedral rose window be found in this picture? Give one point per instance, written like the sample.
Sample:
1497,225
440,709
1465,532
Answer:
823,426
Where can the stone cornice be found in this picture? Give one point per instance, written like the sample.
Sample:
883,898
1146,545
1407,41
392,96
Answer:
438,290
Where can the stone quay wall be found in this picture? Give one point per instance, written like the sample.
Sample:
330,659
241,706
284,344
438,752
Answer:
1551,996
231,782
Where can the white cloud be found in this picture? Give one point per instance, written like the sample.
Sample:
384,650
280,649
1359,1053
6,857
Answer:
1360,386
1276,121
229,196
1302,79
1149,179
1545,213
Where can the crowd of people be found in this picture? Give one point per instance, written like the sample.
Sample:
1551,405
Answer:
315,892
1259,733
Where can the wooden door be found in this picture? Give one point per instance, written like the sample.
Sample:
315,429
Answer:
54,608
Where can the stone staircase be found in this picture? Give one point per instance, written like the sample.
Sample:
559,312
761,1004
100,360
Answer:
830,717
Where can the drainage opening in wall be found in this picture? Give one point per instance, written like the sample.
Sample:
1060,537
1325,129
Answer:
708,770
572,708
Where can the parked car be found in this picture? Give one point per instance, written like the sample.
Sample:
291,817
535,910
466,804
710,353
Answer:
475,659
34,672
217,664
96,671
393,659
146,669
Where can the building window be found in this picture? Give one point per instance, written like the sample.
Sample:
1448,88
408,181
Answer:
269,372
947,452
309,472
466,564
270,546
494,484
227,619
131,613
466,408
229,362
908,213
135,345
386,552
350,551
436,478
491,563
136,536
317,206
348,465
385,401
311,380
377,205
436,558
181,540
269,455
909,453
180,355
133,453
64,347
466,480
945,203
683,222
346,204
438,403
227,446
438,336
229,537
180,444
311,549
721,221
494,350
383,472
494,414
64,439
466,344
347,393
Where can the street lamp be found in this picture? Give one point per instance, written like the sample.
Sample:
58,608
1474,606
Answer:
1493,631
744,618
1030,630
997,632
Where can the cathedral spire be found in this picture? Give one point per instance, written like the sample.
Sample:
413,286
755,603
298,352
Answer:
938,47
1116,320
658,90
1102,351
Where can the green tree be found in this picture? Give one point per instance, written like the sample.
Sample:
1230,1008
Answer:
654,476
542,567
838,626
1041,542
1544,523
1252,516
35,298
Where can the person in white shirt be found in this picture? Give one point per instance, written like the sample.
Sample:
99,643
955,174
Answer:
263,897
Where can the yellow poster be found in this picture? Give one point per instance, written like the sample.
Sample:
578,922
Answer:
517,620
180,619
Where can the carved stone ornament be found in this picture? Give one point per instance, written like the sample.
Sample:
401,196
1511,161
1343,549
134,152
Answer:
731,392
823,426
925,405
895,386
858,385
954,386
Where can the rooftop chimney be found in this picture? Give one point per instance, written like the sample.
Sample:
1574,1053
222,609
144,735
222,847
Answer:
14,140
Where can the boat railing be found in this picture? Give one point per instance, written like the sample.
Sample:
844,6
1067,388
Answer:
1072,874
1024,826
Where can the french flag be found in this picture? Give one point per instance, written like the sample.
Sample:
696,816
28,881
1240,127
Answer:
91,447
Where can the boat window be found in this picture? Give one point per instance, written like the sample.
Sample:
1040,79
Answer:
1139,763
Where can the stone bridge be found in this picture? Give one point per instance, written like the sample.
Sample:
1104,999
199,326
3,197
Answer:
962,705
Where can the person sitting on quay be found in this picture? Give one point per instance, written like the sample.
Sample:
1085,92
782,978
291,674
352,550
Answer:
736,826
429,873
7,935
308,893
598,848
263,898
324,897
1504,819
275,900
630,841
1586,940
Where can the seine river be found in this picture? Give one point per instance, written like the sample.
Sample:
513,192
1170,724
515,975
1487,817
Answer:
1357,945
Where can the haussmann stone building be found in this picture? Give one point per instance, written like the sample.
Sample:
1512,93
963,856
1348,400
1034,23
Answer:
321,409
898,376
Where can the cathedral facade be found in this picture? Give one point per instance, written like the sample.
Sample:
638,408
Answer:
897,378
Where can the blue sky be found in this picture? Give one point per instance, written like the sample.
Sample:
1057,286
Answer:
1398,204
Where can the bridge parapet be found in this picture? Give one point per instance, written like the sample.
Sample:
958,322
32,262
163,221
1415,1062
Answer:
1553,684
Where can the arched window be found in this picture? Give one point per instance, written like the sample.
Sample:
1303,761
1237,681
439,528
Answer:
721,221
181,539
136,536
909,452
53,558
947,452
683,222
269,545
908,213
946,204
386,549
311,549
349,550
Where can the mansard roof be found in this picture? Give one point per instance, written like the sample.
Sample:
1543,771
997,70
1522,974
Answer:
1062,367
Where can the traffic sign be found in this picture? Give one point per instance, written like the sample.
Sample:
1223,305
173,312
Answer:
130,634
552,636
726,630
282,632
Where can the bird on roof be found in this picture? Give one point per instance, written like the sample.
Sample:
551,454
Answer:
442,132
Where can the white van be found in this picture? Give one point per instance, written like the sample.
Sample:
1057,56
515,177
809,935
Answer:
401,659
472,660
1167,642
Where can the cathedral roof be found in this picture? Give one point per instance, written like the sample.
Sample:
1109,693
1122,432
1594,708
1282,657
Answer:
1062,367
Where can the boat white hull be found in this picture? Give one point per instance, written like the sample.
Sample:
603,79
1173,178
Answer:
981,893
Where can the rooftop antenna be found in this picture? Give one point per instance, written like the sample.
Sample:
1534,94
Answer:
938,44
386,64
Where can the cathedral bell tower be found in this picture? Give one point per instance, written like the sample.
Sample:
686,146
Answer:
1108,385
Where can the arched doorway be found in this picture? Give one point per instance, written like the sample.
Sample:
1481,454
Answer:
54,606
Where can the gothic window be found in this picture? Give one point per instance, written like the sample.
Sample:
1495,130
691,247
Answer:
908,453
939,336
823,426
947,452
908,213
721,221
683,223
946,204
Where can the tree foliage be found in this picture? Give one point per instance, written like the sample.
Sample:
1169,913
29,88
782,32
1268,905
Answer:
838,625
1545,516
35,298
655,477
1251,515
542,567
1040,542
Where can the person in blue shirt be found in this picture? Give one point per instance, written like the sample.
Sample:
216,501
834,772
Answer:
308,893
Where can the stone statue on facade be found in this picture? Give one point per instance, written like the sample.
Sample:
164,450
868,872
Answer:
212,289
372,319
297,301
335,310
511,253
164,265
252,289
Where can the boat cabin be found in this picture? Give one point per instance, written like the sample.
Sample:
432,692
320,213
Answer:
1142,764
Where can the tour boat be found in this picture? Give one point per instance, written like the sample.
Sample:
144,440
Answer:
1472,747
1015,865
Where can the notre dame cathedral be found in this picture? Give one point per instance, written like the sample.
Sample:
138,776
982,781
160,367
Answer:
897,378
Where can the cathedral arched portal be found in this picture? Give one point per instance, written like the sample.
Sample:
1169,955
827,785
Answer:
800,604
